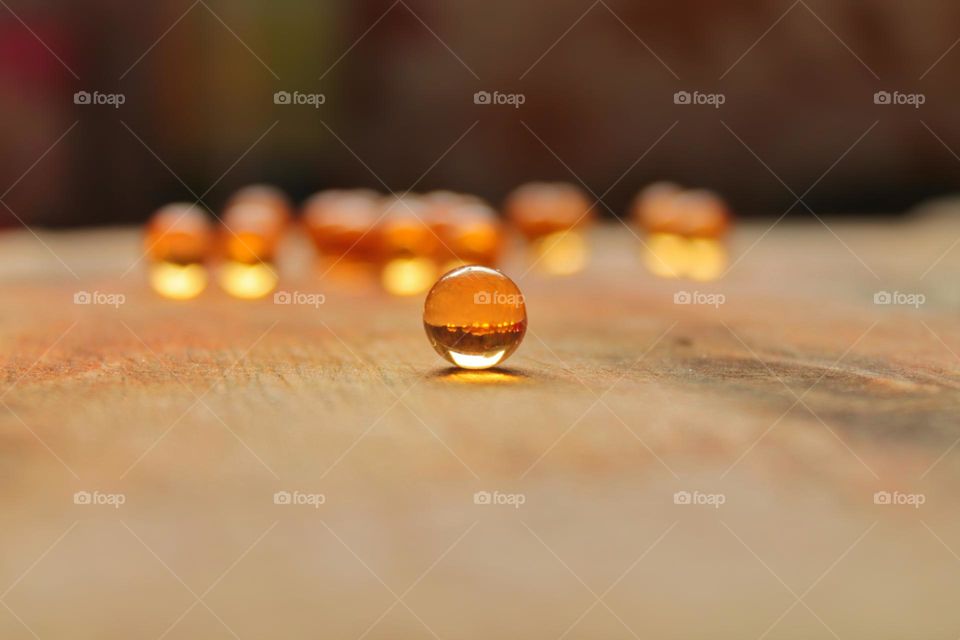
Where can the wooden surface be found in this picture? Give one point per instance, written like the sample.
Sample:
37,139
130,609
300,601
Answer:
796,400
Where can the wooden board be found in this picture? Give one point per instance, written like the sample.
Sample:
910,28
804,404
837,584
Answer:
795,401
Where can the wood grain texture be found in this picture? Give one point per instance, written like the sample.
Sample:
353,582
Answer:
796,400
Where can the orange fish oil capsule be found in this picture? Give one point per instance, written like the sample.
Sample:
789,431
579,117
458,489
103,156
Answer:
475,317
178,243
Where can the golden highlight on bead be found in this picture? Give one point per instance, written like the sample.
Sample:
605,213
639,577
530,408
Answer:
475,317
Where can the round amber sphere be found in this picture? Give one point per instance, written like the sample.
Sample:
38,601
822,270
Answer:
475,317
180,233
341,224
538,209
653,208
696,213
267,196
251,232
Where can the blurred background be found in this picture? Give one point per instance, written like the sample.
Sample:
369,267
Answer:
198,80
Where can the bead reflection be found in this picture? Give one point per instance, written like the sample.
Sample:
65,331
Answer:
708,259
177,281
672,256
562,253
247,281
408,276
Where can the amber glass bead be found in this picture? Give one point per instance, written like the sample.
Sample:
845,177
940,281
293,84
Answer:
266,195
539,209
475,317
469,232
696,213
177,243
653,209
251,232
404,228
180,233
342,224
702,214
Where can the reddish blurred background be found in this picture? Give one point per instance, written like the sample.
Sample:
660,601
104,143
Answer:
199,77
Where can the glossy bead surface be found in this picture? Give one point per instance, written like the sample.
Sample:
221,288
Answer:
475,317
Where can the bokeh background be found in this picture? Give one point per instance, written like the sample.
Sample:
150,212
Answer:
399,78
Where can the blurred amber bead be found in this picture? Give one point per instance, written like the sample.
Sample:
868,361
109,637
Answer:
342,224
703,214
179,233
698,213
265,195
470,233
404,230
539,209
251,232
178,241
475,317
653,208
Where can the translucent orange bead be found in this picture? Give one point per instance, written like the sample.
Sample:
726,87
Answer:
342,224
404,229
703,214
539,209
698,213
178,242
653,208
475,317
266,195
251,232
